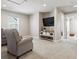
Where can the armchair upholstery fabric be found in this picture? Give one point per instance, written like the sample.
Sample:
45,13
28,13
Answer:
3,37
16,45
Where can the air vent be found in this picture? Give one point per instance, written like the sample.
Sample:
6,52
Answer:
17,1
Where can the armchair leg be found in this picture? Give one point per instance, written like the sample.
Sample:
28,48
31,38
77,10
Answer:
7,51
31,50
17,57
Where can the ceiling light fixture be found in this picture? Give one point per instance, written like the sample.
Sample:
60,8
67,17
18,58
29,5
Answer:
44,5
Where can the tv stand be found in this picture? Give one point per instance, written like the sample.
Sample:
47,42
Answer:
47,35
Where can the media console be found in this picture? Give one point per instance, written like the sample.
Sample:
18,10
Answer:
47,35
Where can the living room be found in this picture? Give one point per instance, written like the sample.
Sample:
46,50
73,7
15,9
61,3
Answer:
44,37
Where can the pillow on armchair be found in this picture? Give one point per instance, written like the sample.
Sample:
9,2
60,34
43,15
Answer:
16,34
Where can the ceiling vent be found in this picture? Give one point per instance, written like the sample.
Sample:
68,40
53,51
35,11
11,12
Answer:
18,2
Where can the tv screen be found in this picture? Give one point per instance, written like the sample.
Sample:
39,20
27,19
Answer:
48,21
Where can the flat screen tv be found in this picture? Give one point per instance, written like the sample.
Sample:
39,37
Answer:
48,21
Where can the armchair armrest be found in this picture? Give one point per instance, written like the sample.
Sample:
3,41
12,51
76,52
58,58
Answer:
25,40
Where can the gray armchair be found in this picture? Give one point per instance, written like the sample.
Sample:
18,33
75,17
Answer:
16,44
3,37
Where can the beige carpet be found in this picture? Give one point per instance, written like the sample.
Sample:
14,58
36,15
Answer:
43,49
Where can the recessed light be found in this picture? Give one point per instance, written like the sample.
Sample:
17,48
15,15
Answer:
4,5
16,5
44,5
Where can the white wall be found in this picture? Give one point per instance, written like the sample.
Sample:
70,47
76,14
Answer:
56,24
62,23
40,21
34,25
23,21
48,14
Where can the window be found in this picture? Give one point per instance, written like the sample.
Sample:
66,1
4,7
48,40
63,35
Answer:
14,23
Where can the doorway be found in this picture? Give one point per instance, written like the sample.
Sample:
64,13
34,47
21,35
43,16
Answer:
71,26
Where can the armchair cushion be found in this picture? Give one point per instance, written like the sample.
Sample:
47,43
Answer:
15,32
3,37
25,40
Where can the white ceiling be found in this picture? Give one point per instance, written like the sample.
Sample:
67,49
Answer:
68,9
31,6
